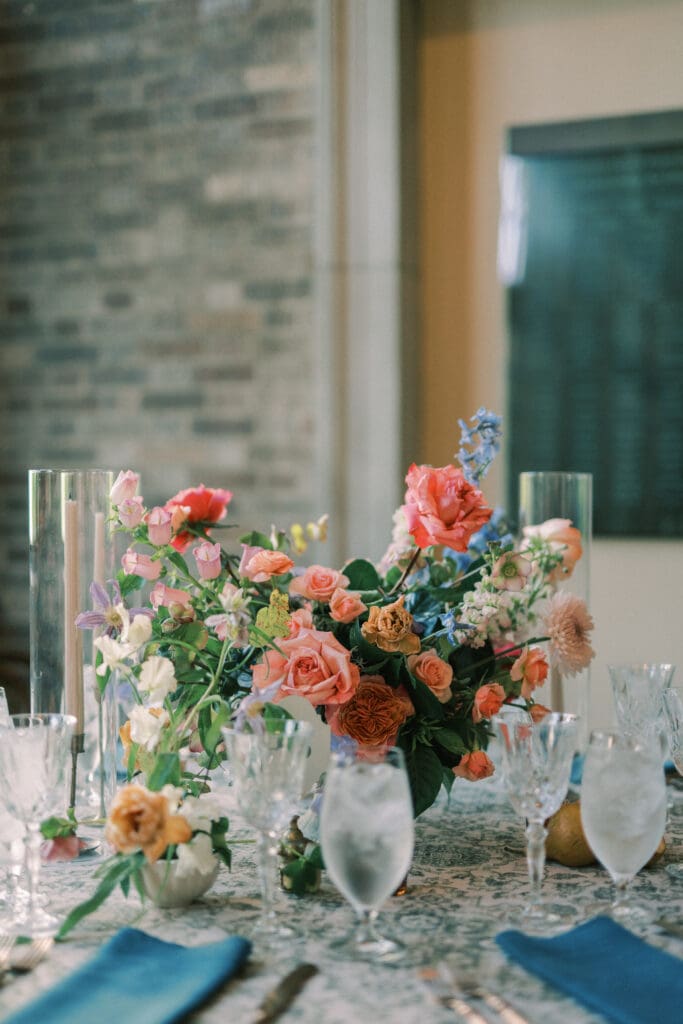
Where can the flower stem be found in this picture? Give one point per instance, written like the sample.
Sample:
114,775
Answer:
406,572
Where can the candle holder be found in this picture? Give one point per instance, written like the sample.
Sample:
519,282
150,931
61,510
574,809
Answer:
556,495
69,547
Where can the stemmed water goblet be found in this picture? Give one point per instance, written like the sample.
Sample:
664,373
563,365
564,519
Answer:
267,766
367,835
638,692
673,718
34,753
537,759
623,809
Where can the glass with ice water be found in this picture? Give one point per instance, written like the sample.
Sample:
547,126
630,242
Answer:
623,809
367,835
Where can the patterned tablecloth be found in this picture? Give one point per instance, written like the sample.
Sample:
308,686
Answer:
467,882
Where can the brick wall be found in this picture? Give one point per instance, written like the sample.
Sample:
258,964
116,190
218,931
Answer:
156,182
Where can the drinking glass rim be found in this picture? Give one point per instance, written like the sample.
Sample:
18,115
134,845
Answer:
33,718
616,739
638,665
348,756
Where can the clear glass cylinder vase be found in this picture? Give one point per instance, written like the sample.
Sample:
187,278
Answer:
544,496
70,546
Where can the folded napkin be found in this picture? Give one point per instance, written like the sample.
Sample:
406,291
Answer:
605,967
137,979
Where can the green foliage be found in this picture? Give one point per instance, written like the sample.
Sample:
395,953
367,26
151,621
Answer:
166,772
116,871
255,539
362,575
425,773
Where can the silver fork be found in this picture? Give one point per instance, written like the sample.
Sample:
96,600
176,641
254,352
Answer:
6,943
27,957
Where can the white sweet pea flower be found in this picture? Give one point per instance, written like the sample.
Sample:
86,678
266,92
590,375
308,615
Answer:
138,632
197,855
157,678
114,654
233,599
173,794
146,725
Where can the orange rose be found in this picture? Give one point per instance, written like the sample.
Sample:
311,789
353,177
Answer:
434,672
139,820
474,766
391,628
488,700
300,619
441,507
345,606
531,669
538,712
318,583
312,664
259,564
374,714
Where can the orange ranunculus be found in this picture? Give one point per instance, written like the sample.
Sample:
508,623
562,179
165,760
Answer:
434,672
538,712
488,700
318,583
312,664
374,714
391,628
345,606
531,669
474,766
139,820
442,507
201,505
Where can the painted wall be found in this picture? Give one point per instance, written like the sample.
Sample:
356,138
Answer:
485,65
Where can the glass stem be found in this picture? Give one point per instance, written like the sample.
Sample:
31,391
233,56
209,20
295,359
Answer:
621,900
365,929
32,840
267,849
536,834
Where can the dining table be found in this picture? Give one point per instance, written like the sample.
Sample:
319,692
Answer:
467,883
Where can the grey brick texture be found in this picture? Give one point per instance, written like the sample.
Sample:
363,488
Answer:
156,308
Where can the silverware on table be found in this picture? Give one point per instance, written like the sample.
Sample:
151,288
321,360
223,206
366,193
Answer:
456,995
20,958
670,927
279,998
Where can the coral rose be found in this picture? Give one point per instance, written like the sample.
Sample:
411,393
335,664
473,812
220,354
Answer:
374,714
531,669
434,672
311,664
345,606
301,619
140,820
391,628
318,583
201,505
441,507
488,700
474,766
259,564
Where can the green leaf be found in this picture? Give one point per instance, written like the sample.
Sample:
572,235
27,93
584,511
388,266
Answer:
57,828
426,704
450,740
128,583
425,775
166,771
272,714
120,869
447,778
392,577
210,731
255,539
362,575
176,559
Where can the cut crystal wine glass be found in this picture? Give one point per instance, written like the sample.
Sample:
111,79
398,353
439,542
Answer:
623,809
267,767
34,753
367,835
638,692
537,759
673,718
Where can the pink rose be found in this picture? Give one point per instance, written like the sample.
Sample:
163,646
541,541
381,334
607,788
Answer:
345,606
159,527
488,700
318,583
434,672
313,664
441,507
259,564
130,512
474,766
208,559
140,565
161,595
531,669
300,619
125,486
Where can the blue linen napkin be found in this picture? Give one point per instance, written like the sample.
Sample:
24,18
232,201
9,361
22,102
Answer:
138,979
605,967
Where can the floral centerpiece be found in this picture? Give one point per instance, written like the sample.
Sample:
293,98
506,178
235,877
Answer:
421,650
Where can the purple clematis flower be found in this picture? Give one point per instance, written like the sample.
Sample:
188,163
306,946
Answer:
105,614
